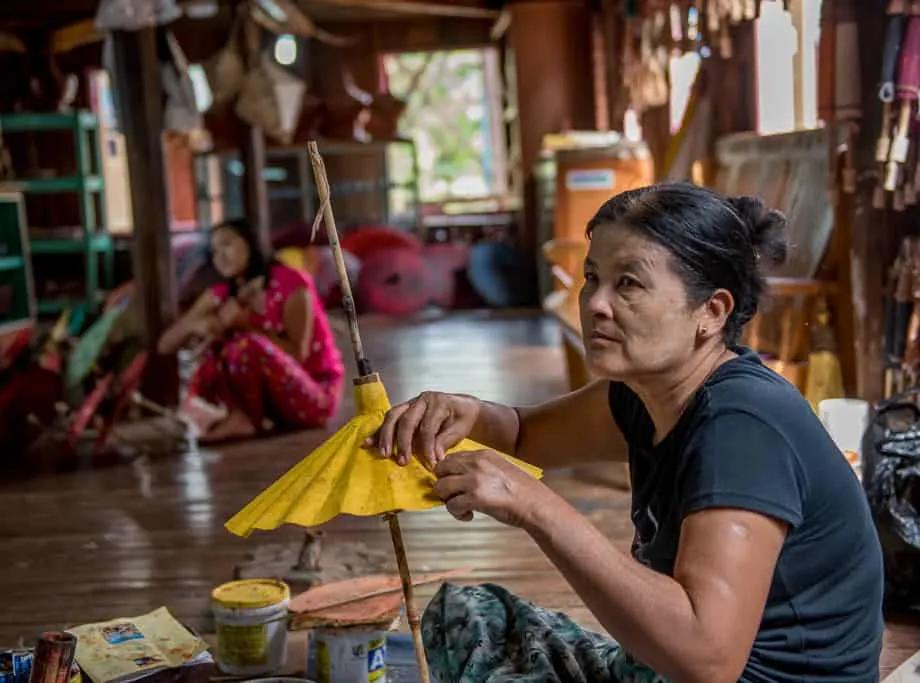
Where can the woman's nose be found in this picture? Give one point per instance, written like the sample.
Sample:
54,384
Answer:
598,303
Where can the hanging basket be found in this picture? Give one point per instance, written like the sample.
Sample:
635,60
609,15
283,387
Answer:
226,69
271,99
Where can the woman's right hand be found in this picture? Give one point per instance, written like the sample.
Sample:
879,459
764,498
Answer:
206,326
429,424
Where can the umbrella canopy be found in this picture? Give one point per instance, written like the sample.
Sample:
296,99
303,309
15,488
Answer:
344,477
89,347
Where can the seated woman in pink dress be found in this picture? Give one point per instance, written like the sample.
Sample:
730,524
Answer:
272,356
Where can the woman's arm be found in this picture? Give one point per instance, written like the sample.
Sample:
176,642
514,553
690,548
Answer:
697,627
195,321
297,319
573,429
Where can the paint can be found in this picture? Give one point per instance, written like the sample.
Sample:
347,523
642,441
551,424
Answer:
53,658
351,656
251,622
15,666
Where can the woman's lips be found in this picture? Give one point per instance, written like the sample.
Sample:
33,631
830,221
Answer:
600,339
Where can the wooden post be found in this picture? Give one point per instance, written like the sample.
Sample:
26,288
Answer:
551,41
875,234
140,109
252,151
736,84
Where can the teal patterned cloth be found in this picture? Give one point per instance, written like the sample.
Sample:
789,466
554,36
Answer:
486,634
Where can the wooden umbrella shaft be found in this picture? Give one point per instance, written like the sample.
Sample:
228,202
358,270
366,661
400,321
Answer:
415,625
365,371
348,301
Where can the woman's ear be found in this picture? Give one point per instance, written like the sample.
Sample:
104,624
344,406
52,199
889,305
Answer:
716,311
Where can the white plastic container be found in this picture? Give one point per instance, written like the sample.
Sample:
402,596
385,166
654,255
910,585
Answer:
351,656
251,622
846,420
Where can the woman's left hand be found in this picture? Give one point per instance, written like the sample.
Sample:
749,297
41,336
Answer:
484,481
232,316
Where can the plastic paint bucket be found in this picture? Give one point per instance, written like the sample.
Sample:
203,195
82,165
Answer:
251,623
351,656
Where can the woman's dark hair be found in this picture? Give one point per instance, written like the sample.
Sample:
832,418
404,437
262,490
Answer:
716,242
260,262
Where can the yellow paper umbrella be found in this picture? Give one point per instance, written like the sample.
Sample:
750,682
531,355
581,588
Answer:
342,476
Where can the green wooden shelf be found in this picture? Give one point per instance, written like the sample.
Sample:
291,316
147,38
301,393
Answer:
92,238
8,263
70,245
15,266
77,183
27,121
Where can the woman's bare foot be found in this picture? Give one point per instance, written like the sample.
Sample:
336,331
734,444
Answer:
201,416
236,426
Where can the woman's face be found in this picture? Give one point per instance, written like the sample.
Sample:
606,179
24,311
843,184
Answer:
231,253
635,317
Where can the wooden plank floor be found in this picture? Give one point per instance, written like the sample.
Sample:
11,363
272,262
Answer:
95,544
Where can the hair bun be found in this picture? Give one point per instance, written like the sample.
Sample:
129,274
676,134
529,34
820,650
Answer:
766,228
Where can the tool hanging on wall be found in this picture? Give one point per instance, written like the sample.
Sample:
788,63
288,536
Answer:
911,363
902,312
907,90
847,89
906,194
893,38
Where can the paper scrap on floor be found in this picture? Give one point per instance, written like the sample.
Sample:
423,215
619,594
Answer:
908,672
128,649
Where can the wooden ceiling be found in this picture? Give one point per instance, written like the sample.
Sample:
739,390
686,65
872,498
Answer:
39,14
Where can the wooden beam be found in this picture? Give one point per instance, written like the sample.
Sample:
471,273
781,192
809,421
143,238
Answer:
500,27
876,234
140,109
252,151
75,35
417,8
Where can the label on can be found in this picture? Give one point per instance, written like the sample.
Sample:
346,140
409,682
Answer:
351,659
242,646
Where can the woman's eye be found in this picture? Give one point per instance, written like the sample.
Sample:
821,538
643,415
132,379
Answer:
590,277
627,281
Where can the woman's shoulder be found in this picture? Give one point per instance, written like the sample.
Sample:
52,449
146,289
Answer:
289,279
746,382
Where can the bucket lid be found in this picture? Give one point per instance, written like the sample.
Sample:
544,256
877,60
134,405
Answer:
251,593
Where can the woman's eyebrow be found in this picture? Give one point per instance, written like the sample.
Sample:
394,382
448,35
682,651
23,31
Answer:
639,264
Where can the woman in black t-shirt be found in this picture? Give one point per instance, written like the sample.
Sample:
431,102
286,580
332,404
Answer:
754,555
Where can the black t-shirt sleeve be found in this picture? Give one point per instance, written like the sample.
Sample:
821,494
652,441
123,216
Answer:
737,460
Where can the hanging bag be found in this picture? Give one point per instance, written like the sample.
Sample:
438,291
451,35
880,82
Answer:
891,478
226,69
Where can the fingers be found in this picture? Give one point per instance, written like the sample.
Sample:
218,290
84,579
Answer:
453,485
456,463
425,426
461,507
384,436
452,432
406,429
429,430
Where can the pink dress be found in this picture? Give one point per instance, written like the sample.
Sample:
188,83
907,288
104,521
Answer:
249,371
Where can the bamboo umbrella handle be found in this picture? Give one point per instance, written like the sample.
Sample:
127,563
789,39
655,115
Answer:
415,622
348,300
